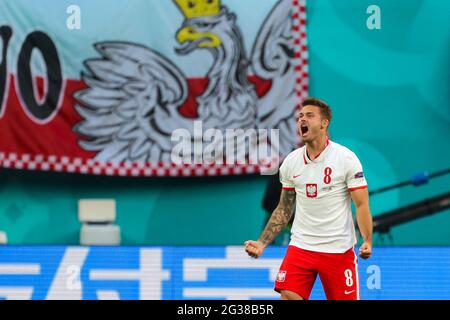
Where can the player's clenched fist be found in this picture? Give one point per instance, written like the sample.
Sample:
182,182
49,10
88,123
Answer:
365,251
254,248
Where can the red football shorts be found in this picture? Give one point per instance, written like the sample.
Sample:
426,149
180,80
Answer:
338,273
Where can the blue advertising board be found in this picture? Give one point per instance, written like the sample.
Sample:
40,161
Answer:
168,273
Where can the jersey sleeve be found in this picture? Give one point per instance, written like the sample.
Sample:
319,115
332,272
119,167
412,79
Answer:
355,178
285,177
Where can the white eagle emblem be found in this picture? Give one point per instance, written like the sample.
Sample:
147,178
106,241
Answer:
131,105
311,190
281,276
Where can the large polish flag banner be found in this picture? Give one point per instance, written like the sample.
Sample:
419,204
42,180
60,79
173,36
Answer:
150,88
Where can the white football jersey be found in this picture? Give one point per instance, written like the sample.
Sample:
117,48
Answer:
323,218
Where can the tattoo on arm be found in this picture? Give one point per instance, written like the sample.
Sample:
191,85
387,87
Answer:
280,217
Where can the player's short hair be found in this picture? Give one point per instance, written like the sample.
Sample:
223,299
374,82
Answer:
325,109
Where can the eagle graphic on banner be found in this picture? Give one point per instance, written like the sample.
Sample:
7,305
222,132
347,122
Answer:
131,105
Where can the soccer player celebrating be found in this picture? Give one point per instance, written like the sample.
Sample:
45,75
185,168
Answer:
319,180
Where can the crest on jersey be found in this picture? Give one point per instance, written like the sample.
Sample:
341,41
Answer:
311,190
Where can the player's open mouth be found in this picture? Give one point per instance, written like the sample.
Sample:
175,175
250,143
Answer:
304,128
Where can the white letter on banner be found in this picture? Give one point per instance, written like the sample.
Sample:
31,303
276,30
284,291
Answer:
195,269
73,281
25,269
150,275
67,285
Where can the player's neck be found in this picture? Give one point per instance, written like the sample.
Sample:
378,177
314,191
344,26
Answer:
314,148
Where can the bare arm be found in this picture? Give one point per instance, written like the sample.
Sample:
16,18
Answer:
364,218
279,219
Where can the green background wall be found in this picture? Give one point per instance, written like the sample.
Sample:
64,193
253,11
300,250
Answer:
389,90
